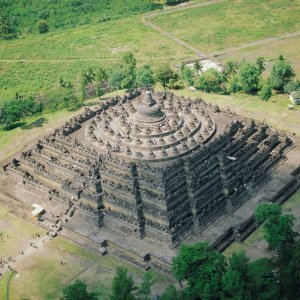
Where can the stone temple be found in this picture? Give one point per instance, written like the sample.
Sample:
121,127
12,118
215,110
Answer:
151,166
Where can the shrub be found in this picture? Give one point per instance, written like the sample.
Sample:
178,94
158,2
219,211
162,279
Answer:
291,87
281,73
42,26
266,92
210,81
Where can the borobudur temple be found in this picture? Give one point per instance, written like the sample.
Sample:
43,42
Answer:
153,166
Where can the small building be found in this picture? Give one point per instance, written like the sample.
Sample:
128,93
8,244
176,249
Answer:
295,97
37,211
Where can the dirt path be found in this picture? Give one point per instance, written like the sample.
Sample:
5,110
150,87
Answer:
255,43
146,21
12,263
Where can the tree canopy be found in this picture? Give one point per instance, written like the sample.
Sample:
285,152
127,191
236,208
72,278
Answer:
122,286
164,74
78,291
203,269
281,73
278,228
249,77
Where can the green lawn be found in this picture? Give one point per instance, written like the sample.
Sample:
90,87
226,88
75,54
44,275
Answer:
288,47
232,23
17,234
33,64
40,275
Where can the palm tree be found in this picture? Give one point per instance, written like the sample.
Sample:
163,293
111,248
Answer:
261,63
198,66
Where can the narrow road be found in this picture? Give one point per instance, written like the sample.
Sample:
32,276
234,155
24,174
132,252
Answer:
146,21
255,43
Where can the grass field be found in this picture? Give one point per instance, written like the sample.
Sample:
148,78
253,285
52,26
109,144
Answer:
288,47
41,276
232,23
35,63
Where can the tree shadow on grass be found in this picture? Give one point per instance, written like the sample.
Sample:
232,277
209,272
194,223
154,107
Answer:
37,123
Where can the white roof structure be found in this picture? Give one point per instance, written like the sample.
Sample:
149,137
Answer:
38,209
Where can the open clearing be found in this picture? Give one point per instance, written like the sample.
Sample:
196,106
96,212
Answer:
41,275
232,23
35,63
288,47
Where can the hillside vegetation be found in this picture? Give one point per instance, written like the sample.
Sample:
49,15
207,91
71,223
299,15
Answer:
84,34
24,14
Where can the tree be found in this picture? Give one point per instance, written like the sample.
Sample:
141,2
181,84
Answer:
79,87
230,69
249,77
101,79
266,92
144,291
261,64
188,75
236,280
42,26
7,32
122,286
129,70
203,269
278,228
175,84
18,109
290,275
170,293
281,73
145,77
234,84
292,86
264,280
164,74
210,81
77,291
198,66
116,77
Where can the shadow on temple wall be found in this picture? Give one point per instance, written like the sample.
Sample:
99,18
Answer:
38,123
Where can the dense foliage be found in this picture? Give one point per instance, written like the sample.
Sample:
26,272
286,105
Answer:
78,291
205,274
281,74
18,109
25,14
7,31
278,228
175,2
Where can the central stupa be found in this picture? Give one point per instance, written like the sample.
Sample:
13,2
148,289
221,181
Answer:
151,131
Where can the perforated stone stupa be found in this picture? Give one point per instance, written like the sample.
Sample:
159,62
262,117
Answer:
152,167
